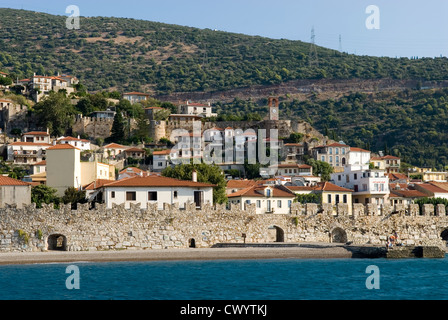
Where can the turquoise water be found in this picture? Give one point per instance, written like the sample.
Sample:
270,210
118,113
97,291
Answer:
282,279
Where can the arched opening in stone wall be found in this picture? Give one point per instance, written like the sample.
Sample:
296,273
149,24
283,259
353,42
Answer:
338,235
192,243
57,242
444,236
276,234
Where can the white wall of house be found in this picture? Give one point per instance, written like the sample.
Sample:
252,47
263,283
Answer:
118,195
276,205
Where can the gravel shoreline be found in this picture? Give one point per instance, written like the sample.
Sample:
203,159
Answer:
315,252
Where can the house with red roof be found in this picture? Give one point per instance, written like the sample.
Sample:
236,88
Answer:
431,190
329,193
82,144
135,97
268,198
13,191
157,189
37,137
27,153
336,154
131,172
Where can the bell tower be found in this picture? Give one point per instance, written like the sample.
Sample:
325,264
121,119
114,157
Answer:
273,108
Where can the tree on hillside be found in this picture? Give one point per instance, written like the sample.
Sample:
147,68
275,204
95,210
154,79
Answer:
56,113
206,174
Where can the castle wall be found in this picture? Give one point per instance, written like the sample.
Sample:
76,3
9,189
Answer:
30,229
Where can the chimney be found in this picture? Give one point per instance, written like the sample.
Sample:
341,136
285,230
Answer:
48,130
194,176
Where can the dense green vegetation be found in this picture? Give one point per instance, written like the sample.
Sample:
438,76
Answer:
127,54
205,173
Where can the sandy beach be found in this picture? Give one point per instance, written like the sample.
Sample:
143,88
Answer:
301,252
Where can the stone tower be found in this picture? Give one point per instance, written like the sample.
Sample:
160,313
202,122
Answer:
273,108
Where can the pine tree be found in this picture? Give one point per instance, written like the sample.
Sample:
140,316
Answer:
118,128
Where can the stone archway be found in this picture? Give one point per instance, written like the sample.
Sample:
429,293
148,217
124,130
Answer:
57,242
192,243
444,236
276,234
338,235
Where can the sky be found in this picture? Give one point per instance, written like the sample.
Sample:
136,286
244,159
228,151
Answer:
395,28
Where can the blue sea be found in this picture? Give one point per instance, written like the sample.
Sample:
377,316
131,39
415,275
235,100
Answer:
271,279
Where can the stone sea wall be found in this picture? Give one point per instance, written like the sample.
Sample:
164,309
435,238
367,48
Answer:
31,229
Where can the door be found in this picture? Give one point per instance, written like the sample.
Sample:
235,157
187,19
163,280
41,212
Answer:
269,206
198,198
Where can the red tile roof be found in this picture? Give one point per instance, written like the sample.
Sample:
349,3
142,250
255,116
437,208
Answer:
157,181
240,184
432,188
41,163
390,157
114,146
162,153
72,139
408,193
258,191
64,146
328,186
358,149
97,184
36,133
7,181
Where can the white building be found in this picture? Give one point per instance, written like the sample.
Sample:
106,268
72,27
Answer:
267,198
199,109
37,137
161,159
358,157
27,153
157,189
368,185
81,144
135,97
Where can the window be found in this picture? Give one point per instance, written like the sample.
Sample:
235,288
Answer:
322,158
131,195
331,159
248,201
175,194
330,150
339,177
112,194
337,199
258,203
289,203
337,150
355,176
152,195
268,192
279,203
329,198
344,197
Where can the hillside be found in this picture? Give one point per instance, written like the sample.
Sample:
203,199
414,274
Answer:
127,54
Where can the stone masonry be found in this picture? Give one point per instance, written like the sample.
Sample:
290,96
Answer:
84,229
